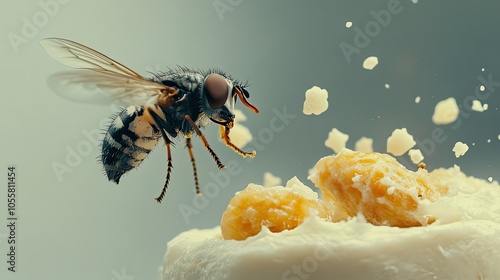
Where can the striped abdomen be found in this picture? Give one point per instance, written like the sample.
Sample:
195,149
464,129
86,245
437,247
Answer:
128,141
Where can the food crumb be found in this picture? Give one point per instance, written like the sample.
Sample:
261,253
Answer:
364,144
336,140
270,180
400,142
316,101
478,107
417,99
460,149
446,111
387,86
348,24
370,62
416,155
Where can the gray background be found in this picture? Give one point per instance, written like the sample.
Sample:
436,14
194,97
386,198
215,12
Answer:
83,227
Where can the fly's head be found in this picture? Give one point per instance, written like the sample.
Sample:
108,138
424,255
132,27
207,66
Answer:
219,94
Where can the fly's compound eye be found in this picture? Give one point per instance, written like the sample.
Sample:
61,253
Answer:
216,90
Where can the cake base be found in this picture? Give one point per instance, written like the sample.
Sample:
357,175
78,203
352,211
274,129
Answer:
346,250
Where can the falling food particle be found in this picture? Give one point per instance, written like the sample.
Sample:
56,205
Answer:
311,171
485,107
316,101
414,1
498,136
270,180
446,111
417,99
482,88
400,142
460,149
364,144
336,140
387,86
482,69
490,179
489,141
416,155
370,62
477,106
348,24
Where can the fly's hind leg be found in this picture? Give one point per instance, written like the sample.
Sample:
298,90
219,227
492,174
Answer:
160,123
193,162
205,142
224,133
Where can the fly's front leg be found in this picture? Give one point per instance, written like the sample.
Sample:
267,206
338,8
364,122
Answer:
224,133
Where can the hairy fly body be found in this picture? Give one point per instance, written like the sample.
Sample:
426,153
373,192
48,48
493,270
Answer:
169,105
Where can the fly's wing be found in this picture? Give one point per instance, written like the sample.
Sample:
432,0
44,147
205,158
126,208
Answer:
102,78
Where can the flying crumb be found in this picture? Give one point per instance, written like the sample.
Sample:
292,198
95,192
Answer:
364,144
477,106
490,179
400,142
316,101
460,149
387,86
417,99
336,140
482,69
370,62
311,171
270,180
348,24
416,155
414,1
489,141
446,111
482,88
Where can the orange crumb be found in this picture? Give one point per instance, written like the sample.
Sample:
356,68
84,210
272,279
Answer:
377,186
278,208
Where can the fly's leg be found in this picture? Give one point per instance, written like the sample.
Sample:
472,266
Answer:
160,124
224,133
193,162
205,142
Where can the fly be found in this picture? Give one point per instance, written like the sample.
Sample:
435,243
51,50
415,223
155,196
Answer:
169,105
